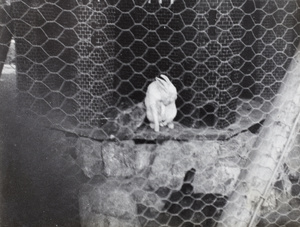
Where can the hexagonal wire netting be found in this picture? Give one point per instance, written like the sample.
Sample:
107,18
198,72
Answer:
83,67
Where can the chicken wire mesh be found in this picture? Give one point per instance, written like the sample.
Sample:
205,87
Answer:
83,68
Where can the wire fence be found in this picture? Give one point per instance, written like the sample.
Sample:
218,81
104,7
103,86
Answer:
82,70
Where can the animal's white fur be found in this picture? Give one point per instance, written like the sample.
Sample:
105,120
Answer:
160,103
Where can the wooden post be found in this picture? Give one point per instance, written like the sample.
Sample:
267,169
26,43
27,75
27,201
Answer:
276,137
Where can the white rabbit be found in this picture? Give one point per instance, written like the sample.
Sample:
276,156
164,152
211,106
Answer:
160,103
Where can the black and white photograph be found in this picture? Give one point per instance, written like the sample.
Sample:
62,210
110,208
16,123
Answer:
149,113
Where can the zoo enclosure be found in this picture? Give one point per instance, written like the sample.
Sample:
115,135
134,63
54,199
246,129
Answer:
77,58
80,62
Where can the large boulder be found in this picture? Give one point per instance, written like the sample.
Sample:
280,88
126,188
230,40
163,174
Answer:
124,159
113,159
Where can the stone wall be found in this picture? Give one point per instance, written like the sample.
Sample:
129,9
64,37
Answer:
125,175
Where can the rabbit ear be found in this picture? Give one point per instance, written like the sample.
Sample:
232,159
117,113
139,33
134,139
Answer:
162,83
165,78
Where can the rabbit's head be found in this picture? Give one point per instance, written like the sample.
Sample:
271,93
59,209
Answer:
168,90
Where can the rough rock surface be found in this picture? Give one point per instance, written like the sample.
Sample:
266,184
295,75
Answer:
113,159
217,165
89,157
124,159
106,205
130,174
121,122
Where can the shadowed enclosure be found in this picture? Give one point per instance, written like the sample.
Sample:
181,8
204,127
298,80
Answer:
75,141
76,58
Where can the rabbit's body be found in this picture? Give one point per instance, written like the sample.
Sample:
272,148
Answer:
160,103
